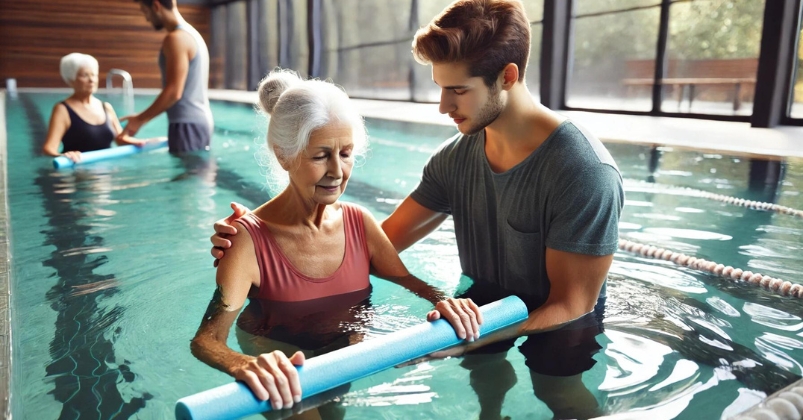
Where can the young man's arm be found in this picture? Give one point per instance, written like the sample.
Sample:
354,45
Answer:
177,49
575,282
410,223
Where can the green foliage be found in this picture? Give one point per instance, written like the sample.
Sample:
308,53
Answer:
715,29
698,29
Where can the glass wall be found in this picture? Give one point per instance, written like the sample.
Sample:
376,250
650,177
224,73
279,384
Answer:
613,56
713,56
424,89
535,12
236,47
367,46
796,110
362,45
710,56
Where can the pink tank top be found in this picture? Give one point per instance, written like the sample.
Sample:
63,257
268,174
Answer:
281,281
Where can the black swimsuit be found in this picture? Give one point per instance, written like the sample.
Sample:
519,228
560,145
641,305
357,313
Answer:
85,137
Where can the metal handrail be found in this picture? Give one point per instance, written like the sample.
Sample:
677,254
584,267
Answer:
127,87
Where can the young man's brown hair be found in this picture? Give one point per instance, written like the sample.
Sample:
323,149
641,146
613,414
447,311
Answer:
484,34
167,4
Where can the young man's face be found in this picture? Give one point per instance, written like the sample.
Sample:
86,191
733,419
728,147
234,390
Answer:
151,16
468,101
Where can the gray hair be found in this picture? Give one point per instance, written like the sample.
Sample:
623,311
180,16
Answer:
71,63
298,107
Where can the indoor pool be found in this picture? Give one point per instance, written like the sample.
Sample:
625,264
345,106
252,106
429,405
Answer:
111,274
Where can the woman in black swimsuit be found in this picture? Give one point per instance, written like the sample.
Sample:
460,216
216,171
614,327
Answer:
82,123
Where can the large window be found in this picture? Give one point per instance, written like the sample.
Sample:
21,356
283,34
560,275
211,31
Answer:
796,110
367,47
425,89
712,56
613,59
535,13
694,58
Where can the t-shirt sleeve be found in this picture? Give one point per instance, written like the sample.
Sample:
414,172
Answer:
432,191
584,216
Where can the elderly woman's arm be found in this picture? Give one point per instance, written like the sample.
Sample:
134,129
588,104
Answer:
270,375
463,314
120,137
59,123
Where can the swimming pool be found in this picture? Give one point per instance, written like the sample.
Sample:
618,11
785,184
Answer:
111,275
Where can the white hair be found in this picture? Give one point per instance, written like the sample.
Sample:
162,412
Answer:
299,107
71,63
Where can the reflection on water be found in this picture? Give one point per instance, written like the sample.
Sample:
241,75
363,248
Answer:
659,336
82,348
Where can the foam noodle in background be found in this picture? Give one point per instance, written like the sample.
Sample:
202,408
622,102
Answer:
348,364
60,162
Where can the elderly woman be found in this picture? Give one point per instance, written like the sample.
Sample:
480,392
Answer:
304,248
82,123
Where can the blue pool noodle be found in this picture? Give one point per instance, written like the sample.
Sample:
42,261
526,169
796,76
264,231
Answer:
327,371
110,153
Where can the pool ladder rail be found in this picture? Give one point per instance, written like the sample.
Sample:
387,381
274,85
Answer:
127,87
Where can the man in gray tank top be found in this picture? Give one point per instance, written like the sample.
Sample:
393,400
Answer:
184,63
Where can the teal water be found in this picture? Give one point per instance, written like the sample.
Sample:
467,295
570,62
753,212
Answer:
111,275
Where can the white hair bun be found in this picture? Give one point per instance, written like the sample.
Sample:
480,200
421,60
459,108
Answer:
272,87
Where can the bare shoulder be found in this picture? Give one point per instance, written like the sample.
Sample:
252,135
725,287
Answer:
178,41
59,108
243,236
60,114
241,253
109,108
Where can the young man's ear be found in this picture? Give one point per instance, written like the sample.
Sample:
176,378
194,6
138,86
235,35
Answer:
509,76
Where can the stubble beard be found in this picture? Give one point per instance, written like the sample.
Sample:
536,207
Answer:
488,114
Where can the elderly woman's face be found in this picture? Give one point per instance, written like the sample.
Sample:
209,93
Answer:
320,172
86,80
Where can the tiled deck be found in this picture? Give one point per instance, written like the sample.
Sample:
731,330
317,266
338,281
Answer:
728,137
5,265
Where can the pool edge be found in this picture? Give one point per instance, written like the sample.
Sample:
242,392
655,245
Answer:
5,267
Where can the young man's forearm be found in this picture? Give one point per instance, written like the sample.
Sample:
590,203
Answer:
548,317
163,102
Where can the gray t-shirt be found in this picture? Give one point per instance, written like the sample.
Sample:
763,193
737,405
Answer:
567,195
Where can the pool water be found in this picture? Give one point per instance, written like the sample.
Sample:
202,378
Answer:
111,274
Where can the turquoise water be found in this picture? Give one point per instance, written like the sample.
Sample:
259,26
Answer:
111,275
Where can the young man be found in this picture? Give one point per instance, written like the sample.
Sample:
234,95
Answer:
535,201
184,63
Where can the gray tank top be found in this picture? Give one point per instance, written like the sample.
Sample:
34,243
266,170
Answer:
193,107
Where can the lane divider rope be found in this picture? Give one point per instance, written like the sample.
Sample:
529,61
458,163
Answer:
785,288
757,205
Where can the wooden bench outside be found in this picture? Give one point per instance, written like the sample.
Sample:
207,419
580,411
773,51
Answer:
704,79
689,84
